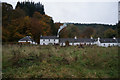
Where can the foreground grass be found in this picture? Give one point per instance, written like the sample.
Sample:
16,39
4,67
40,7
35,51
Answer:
62,62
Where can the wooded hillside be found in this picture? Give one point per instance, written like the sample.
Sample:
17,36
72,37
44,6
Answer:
88,30
29,19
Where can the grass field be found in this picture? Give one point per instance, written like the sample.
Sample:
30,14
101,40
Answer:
59,62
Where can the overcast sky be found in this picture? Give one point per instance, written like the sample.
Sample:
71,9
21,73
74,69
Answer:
79,11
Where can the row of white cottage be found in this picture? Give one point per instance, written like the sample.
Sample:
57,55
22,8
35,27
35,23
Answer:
46,40
54,40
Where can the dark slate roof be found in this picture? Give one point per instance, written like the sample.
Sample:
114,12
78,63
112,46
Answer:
108,40
84,40
27,38
62,40
95,40
49,37
118,40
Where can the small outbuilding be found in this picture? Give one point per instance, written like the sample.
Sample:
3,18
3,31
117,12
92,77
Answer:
27,39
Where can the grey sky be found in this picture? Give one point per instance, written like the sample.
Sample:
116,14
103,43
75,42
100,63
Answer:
104,12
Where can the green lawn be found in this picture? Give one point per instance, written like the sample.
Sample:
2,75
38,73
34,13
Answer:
63,62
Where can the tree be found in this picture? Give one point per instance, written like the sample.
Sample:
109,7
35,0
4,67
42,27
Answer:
88,32
38,16
110,33
48,20
118,29
27,19
31,7
17,13
6,13
70,32
38,28
67,43
5,35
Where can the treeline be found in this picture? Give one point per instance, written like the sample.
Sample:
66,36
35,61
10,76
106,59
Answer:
31,7
90,30
27,19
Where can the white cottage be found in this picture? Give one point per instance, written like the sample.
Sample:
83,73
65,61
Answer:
76,41
104,42
118,41
64,40
27,39
47,40
107,42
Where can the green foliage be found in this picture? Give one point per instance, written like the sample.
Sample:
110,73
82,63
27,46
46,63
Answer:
59,62
110,33
31,7
16,24
88,32
97,30
70,32
118,30
6,12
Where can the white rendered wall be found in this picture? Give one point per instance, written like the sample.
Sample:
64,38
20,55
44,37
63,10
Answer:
76,44
62,44
28,41
21,41
48,41
119,44
108,44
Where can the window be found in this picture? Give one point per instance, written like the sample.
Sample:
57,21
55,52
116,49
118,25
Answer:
113,44
109,45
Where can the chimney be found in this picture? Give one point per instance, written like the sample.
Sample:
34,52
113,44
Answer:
75,37
91,37
41,36
98,39
58,35
114,38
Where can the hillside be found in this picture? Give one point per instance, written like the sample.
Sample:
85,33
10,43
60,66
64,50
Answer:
88,30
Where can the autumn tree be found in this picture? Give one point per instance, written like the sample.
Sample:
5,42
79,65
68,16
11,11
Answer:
48,20
6,13
110,33
17,13
40,25
70,32
88,32
57,25
5,35
28,18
